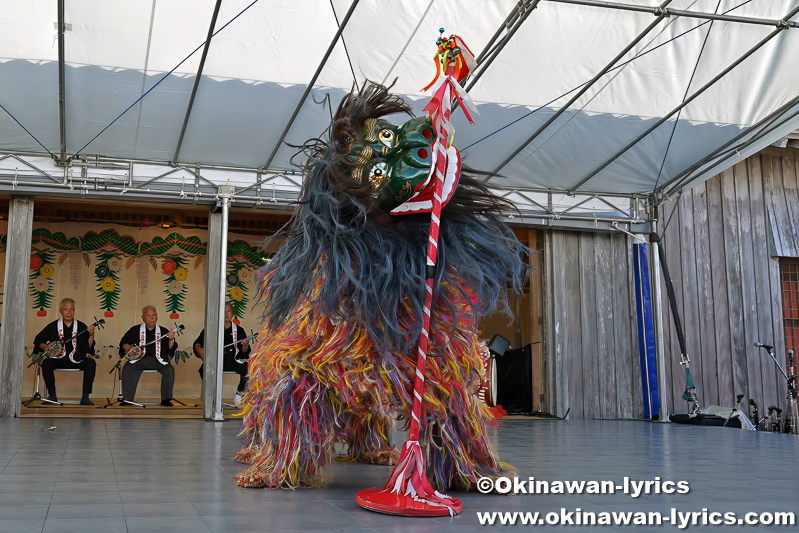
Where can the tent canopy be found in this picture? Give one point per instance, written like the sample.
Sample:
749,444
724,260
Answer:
128,72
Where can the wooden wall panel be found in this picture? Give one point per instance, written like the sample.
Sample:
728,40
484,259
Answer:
721,246
573,353
728,287
749,310
536,287
591,335
588,312
558,340
720,302
604,327
732,251
783,226
758,200
705,372
626,346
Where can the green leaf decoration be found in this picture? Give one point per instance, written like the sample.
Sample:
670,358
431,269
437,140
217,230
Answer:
109,239
107,277
39,284
191,245
174,289
243,252
57,241
238,295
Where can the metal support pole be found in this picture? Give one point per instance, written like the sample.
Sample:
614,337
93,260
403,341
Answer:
657,308
680,13
62,95
220,339
15,310
215,306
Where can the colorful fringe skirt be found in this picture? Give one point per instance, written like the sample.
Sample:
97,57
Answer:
317,381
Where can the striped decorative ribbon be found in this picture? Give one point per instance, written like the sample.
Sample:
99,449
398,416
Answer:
408,477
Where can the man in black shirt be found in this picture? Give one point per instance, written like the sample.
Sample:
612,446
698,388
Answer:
234,357
77,346
156,356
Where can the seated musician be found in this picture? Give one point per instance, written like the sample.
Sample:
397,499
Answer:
77,346
156,356
238,347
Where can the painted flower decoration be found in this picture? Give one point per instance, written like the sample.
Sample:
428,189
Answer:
36,262
181,273
245,275
115,264
232,279
101,271
174,287
236,293
169,266
41,284
47,271
108,284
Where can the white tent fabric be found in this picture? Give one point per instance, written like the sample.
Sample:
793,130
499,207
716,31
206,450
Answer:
266,52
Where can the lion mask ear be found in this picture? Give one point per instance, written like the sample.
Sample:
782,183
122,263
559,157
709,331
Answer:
372,102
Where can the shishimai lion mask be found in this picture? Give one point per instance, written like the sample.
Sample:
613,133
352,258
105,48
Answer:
385,165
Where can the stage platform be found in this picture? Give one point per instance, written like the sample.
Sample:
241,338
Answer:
109,475
110,408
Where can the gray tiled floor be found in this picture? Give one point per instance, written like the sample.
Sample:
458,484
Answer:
176,475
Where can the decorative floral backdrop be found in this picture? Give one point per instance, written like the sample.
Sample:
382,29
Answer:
113,271
108,251
41,288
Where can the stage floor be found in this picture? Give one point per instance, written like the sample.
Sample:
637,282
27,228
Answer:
109,475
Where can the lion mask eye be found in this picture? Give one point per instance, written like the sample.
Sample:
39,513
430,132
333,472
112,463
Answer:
378,174
386,137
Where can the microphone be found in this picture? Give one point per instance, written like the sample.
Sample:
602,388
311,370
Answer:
761,345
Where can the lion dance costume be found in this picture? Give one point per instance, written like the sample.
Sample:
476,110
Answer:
344,302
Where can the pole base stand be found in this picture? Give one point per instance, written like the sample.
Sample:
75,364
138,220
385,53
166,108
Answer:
386,502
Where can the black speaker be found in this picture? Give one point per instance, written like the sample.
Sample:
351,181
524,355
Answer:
515,380
498,345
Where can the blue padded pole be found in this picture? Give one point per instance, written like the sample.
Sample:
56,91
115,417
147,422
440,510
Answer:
646,334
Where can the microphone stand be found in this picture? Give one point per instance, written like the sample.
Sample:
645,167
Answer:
792,417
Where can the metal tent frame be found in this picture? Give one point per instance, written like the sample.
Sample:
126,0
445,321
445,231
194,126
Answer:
268,187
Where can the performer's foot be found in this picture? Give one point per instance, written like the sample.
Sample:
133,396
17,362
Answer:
123,403
52,398
238,398
166,403
246,455
86,401
388,457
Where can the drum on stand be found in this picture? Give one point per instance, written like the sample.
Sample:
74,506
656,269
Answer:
492,383
488,388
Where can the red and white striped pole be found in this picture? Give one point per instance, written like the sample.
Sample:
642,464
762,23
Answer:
408,492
